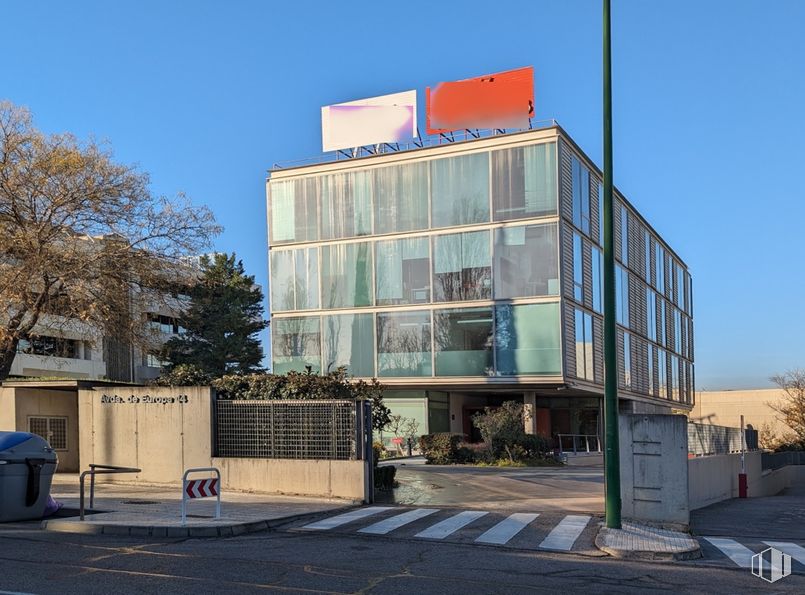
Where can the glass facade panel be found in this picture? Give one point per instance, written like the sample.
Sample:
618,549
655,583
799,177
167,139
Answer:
527,339
581,196
598,280
624,236
463,342
460,190
296,344
659,264
584,345
526,261
346,275
348,342
402,272
578,269
627,360
524,182
294,279
651,314
294,210
622,295
401,198
404,344
462,267
346,205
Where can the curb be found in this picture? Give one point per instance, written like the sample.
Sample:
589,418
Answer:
690,554
217,531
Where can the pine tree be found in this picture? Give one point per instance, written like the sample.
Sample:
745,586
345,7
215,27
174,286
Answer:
222,321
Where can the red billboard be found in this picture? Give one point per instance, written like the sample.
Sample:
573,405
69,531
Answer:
500,100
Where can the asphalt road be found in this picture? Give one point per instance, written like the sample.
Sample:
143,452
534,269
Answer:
288,560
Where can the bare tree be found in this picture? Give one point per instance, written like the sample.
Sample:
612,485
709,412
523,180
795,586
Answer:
83,241
791,409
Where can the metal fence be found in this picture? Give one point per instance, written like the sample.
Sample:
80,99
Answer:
707,439
286,429
777,460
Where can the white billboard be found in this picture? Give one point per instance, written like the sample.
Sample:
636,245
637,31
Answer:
383,119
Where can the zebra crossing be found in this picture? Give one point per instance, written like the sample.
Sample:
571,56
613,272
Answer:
740,554
520,530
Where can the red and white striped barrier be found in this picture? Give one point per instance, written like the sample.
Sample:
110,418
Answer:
202,488
207,487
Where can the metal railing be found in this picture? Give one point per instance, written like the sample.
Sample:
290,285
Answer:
778,460
708,439
424,141
286,429
578,443
96,469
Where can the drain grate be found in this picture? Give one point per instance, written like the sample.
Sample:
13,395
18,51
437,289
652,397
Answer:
140,502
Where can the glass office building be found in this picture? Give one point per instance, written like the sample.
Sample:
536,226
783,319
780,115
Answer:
464,274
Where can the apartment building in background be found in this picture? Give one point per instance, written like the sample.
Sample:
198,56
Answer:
465,273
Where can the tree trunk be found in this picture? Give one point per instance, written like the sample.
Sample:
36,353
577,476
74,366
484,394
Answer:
8,351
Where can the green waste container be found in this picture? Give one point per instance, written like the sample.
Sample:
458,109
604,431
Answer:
27,465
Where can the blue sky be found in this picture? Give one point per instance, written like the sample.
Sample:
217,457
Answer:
708,123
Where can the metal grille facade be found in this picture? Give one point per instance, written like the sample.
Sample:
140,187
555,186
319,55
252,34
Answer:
52,429
286,429
706,439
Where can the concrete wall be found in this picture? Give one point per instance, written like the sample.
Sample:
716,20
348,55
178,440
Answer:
715,478
654,469
332,479
164,431
17,405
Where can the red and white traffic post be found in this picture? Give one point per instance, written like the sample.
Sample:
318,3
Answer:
206,487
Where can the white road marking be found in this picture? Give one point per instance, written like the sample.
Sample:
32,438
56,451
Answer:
792,549
395,522
507,528
347,517
451,525
565,534
741,555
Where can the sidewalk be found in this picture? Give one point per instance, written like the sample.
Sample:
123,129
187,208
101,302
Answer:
155,510
637,541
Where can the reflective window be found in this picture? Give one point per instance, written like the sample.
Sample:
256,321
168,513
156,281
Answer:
402,271
661,320
293,210
598,280
346,275
651,314
348,341
627,361
680,286
346,205
677,331
294,279
647,242
524,182
296,344
581,196
600,214
463,342
527,339
659,257
622,295
401,197
675,378
624,236
578,269
650,369
526,261
403,344
460,190
662,373
462,267
584,345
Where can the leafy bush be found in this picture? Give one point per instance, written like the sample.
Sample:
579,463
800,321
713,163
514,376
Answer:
384,477
183,375
503,431
440,449
305,386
